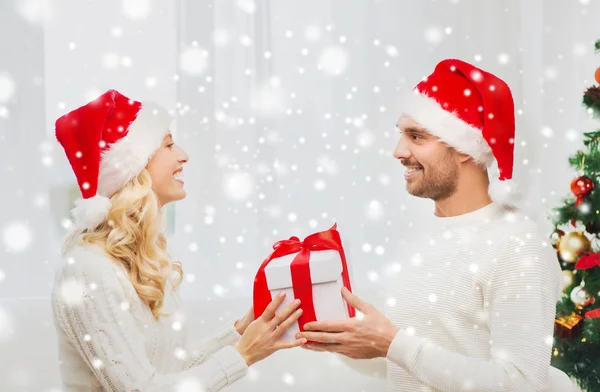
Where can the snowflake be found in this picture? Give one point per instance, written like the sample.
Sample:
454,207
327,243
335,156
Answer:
246,5
288,378
190,384
312,33
17,236
6,325
269,99
434,35
238,186
72,291
7,88
374,210
333,60
136,9
194,61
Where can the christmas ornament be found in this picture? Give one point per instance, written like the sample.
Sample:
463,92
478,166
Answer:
572,245
568,326
581,297
592,227
593,314
555,237
581,186
568,279
597,75
587,261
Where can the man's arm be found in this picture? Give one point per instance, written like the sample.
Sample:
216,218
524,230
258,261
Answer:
520,300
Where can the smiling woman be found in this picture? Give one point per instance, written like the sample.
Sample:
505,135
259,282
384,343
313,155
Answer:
166,171
115,306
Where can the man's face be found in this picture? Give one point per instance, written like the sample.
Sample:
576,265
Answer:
431,166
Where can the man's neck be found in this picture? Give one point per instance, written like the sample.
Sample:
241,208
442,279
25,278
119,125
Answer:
460,203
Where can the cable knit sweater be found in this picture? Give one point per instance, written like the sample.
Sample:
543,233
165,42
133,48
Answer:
474,298
108,339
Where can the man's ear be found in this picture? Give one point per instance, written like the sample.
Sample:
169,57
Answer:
462,158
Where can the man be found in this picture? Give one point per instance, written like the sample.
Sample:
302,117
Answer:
472,307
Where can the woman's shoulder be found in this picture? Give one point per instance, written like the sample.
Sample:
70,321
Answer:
89,261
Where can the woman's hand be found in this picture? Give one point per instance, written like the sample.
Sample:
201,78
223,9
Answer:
262,337
241,324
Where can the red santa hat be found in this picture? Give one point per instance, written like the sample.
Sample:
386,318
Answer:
472,111
108,142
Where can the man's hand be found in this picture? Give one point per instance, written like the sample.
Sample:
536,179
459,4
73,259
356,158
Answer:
366,336
241,324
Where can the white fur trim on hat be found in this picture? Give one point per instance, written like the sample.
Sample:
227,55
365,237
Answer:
89,213
126,158
505,192
458,134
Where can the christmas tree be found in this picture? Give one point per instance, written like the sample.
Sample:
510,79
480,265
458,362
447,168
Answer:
577,241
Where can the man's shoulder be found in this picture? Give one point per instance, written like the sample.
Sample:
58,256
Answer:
514,228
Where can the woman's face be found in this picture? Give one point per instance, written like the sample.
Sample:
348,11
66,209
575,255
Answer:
166,171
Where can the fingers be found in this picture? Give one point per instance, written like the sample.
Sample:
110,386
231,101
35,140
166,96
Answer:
285,345
322,337
285,313
354,301
332,348
269,312
288,322
328,326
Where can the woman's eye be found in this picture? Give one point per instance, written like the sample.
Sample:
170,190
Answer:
170,145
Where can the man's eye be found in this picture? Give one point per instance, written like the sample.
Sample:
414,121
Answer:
415,137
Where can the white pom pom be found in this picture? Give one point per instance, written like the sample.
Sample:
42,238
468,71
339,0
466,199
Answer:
505,192
89,213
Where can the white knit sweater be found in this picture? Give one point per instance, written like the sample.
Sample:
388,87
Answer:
474,298
108,339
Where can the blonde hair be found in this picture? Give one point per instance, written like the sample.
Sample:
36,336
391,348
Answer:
132,236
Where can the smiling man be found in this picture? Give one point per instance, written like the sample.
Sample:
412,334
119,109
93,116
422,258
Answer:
473,305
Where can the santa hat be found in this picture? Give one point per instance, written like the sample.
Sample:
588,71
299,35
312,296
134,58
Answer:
108,142
472,111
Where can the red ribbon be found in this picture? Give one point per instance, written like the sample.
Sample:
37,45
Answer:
300,270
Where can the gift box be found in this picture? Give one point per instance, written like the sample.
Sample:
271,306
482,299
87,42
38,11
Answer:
569,326
313,270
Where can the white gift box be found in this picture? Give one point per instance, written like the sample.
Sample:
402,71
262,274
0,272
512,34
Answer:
327,282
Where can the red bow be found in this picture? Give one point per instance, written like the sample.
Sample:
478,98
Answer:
300,269
589,260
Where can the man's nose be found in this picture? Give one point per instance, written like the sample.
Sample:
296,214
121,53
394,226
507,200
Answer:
402,151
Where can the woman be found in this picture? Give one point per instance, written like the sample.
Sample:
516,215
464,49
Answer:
114,300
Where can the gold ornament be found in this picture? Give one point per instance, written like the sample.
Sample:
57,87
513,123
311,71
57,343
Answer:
567,279
572,245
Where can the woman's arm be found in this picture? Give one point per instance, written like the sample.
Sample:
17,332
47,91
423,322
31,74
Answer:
109,341
202,349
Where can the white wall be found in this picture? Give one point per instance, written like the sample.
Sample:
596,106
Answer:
294,161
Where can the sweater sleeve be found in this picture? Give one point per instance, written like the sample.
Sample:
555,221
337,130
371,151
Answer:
520,304
201,350
89,307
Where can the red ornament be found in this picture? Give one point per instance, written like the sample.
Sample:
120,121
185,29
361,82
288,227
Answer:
581,186
597,75
593,314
